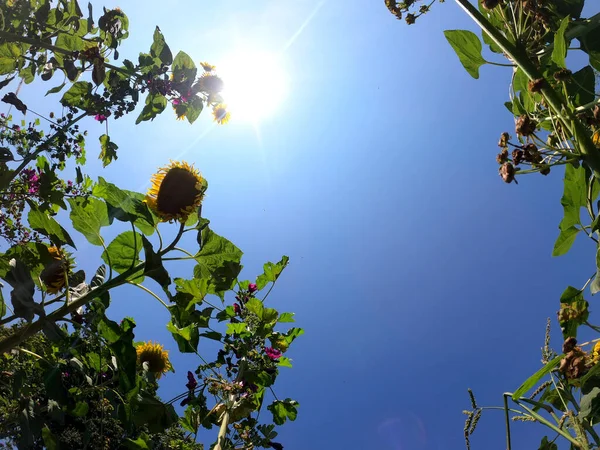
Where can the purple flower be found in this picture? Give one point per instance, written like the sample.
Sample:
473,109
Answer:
192,383
33,189
100,117
185,401
176,101
237,309
70,183
252,288
273,353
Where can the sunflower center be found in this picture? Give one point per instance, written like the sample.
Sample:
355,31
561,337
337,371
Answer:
177,191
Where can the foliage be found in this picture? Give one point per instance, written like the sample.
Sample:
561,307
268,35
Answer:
70,377
557,123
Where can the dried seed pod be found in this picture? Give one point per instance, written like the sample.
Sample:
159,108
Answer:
507,172
525,126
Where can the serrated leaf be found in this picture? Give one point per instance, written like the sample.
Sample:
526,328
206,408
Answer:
271,272
286,317
468,48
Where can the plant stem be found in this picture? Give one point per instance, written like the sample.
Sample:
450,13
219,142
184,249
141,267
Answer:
29,330
225,421
586,147
144,288
507,420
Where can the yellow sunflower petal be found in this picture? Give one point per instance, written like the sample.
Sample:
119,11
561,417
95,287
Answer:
156,356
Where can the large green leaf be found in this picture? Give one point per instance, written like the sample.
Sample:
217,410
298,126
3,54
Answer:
215,253
590,406
186,337
582,87
127,206
79,95
154,267
536,377
559,52
271,272
88,216
467,46
155,104
123,253
48,226
283,410
160,49
565,240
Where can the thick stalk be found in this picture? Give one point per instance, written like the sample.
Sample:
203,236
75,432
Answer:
588,151
225,420
29,330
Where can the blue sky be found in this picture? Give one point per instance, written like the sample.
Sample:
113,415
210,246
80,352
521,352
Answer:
415,271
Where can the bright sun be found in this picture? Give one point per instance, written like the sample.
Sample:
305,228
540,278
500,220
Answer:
255,84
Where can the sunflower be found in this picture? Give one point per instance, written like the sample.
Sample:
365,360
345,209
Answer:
180,110
55,274
221,114
176,192
207,67
156,357
210,83
596,353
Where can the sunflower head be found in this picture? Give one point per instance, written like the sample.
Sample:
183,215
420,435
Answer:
220,114
180,110
156,356
210,83
55,274
596,353
207,67
176,192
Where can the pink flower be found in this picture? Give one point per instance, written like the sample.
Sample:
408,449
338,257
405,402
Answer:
252,288
273,353
100,117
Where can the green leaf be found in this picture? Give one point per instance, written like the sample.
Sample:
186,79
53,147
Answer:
467,46
547,445
271,272
590,406
186,338
2,303
155,104
565,241
123,253
536,377
153,267
138,444
559,52
216,251
160,49
571,8
48,226
286,317
582,87
79,95
197,288
573,311
194,108
108,152
50,441
237,328
284,361
255,306
9,57
88,216
69,42
595,284
81,409
155,414
56,89
283,410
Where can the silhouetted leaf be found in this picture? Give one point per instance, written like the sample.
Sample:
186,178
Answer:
467,46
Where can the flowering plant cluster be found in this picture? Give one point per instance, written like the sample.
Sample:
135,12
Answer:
70,377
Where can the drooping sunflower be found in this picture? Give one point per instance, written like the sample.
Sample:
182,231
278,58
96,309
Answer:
220,114
156,357
176,192
207,67
210,83
55,274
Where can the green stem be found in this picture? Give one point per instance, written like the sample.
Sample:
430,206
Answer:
549,424
29,330
586,147
144,288
500,64
173,244
225,420
507,420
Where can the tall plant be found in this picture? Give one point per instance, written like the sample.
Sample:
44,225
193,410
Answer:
111,378
557,123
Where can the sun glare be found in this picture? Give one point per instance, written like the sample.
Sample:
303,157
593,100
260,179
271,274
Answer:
255,84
